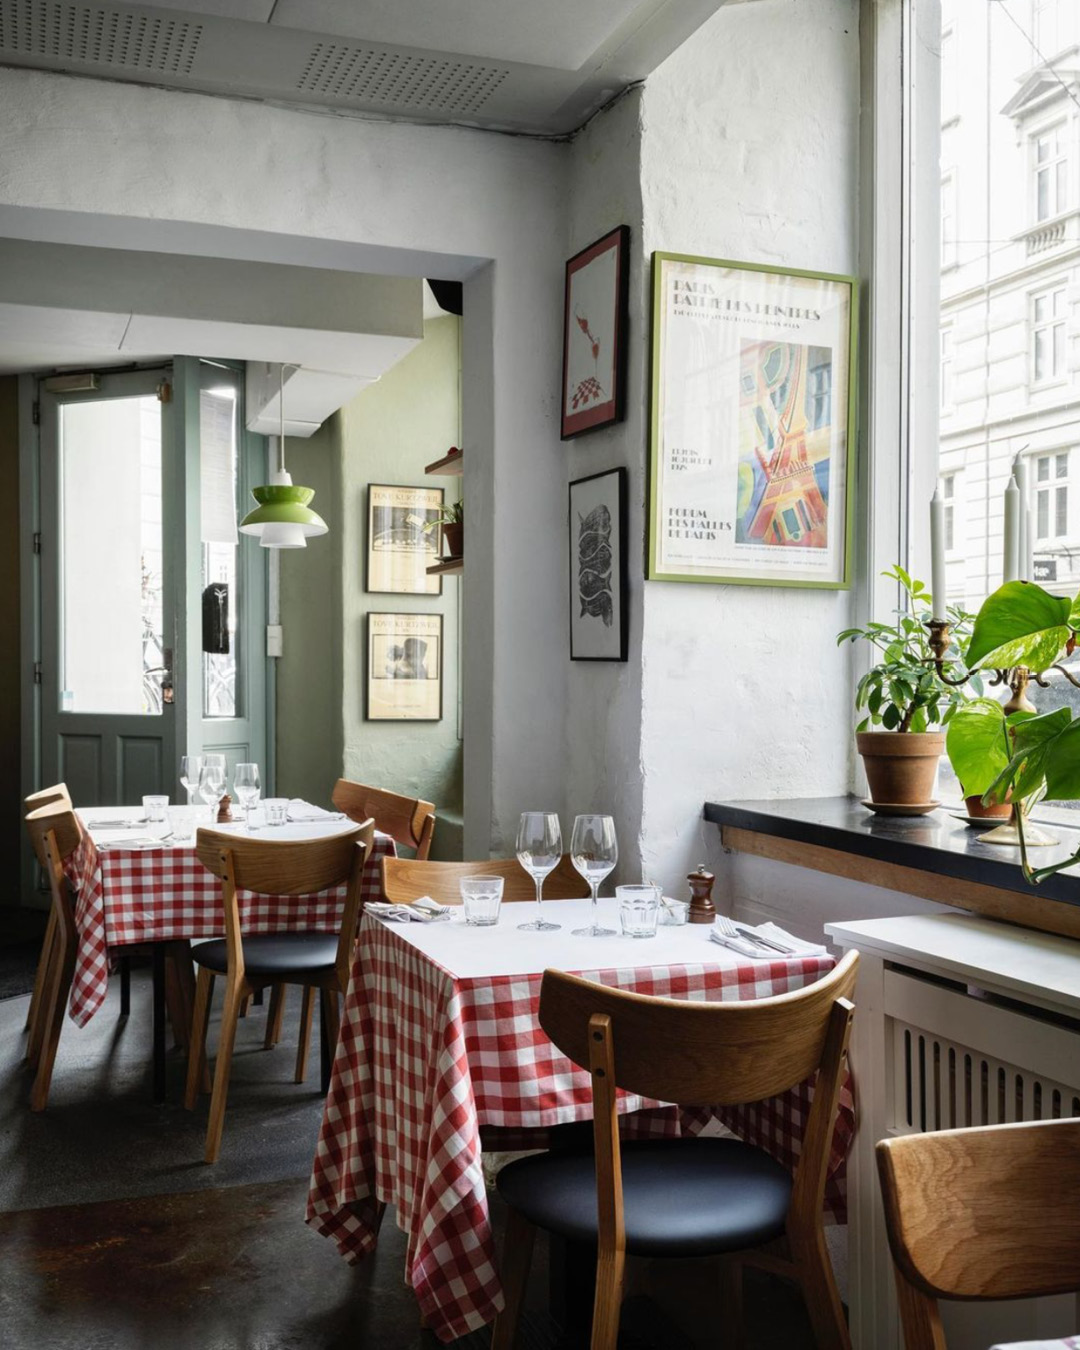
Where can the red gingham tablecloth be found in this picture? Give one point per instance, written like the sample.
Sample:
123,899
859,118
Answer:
426,1058
153,894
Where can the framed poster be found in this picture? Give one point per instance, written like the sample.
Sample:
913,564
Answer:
598,597
594,335
404,539
404,675
753,424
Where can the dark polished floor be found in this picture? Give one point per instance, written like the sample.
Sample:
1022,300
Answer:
114,1234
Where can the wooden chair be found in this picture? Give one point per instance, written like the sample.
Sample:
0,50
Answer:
56,795
314,960
403,879
407,821
987,1213
55,834
686,1197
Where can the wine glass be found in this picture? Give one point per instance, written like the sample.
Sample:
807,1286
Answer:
190,768
246,787
212,779
539,848
594,851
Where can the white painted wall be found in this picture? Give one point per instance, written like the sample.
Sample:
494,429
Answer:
122,166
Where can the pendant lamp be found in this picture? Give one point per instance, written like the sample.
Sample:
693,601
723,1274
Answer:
283,517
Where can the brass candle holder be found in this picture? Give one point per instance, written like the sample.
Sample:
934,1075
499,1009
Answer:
1017,678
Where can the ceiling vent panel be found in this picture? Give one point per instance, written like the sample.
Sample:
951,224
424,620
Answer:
98,35
371,75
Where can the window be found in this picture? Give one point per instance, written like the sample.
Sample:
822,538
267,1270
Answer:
1048,336
949,252
950,104
946,359
1050,170
948,491
1052,496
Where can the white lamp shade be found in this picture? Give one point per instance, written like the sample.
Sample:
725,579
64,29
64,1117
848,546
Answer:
277,535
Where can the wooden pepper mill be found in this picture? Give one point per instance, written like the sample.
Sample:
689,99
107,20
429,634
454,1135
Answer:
702,909
224,810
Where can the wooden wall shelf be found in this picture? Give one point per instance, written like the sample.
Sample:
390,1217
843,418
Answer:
448,567
448,465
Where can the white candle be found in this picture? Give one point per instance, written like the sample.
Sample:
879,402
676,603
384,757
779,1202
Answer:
1024,550
937,553
1011,561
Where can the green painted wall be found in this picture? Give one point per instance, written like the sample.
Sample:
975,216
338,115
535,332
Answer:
385,435
10,800
309,731
388,433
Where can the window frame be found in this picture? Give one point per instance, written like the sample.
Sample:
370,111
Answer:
1057,127
1053,324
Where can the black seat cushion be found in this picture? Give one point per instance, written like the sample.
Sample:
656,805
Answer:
681,1197
274,954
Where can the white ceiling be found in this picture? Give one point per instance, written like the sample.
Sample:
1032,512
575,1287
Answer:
506,64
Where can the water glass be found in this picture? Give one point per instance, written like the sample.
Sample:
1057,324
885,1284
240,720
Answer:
674,913
182,824
639,909
481,898
539,851
155,808
277,810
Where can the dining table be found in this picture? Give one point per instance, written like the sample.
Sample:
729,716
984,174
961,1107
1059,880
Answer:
440,1050
137,882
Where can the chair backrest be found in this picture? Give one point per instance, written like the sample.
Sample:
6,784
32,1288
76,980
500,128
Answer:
59,820
984,1213
404,879
48,796
407,820
288,867
727,1052
280,866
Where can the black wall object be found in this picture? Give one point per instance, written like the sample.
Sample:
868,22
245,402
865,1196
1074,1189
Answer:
215,619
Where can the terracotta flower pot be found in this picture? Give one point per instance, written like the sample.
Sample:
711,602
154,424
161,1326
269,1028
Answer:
454,537
999,811
900,765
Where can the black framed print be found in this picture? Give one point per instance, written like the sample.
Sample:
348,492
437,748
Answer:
595,306
404,674
598,594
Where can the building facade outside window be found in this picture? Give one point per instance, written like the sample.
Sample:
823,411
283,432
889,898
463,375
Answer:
1048,335
948,491
1051,491
949,243
1050,169
946,361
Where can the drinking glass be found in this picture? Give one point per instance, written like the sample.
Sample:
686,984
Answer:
212,780
246,786
539,848
277,810
594,851
190,769
481,898
155,808
638,910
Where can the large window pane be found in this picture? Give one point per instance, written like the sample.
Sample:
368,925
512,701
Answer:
111,642
218,430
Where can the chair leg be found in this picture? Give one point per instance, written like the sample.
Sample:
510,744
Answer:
42,971
731,1308
245,1004
307,1009
234,997
39,999
53,1010
610,1269
514,1270
273,1019
200,1021
821,1295
329,1028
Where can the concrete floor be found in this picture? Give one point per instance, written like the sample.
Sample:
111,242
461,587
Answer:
113,1233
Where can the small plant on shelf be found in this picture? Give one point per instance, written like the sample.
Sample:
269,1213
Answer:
905,699
452,520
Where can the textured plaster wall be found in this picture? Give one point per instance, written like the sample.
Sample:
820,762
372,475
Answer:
124,166
388,433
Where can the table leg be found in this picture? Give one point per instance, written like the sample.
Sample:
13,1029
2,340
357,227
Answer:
159,1021
125,986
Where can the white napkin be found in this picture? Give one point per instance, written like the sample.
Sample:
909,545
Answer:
423,910
147,841
115,824
745,947
299,811
782,938
792,946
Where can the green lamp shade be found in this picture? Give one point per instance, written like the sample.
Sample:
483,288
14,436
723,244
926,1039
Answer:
283,505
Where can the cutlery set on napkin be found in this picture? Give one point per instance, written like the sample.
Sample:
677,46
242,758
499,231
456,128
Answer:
764,943
424,910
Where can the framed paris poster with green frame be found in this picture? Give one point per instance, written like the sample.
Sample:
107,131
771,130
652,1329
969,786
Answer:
752,451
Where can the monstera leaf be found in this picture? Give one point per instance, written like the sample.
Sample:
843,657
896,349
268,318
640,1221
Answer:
1020,625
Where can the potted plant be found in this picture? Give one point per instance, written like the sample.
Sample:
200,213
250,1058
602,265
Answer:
1023,630
906,702
977,743
452,520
